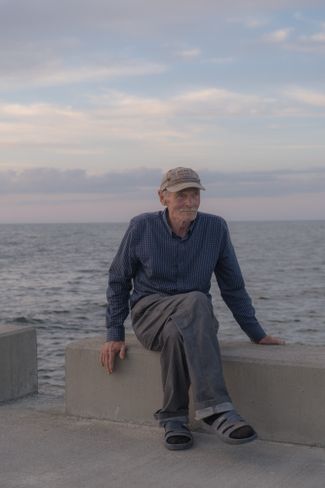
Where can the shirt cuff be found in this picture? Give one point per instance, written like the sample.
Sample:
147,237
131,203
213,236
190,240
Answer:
115,334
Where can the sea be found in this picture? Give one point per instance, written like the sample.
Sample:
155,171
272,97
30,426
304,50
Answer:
54,278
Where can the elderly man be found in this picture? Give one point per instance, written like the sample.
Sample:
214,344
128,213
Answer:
163,269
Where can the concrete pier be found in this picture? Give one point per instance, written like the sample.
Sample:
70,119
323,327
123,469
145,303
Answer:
280,390
18,362
40,447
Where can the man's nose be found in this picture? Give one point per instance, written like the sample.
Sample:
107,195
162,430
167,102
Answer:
190,201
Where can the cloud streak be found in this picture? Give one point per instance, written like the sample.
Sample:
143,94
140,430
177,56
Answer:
54,181
308,97
189,54
278,36
141,181
122,116
55,73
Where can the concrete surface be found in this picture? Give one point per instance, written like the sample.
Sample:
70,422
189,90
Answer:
278,389
18,362
131,393
42,448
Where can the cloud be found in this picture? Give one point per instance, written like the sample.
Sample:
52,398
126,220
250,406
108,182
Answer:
219,60
318,37
114,116
265,183
189,54
278,36
23,21
218,102
142,181
56,73
119,116
249,22
54,181
308,97
40,124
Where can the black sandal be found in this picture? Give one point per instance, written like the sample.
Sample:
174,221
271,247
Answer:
177,436
232,428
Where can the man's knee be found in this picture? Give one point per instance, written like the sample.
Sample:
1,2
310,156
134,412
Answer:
171,332
197,298
197,311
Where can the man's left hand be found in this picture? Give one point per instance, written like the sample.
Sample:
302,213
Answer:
271,341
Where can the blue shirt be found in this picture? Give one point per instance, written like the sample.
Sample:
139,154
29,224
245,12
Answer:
152,259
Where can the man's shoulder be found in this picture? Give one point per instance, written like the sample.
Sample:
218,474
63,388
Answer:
212,219
145,218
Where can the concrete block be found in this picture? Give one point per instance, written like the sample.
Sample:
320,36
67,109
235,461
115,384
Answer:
131,393
280,390
18,362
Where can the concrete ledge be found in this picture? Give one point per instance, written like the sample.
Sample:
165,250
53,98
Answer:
279,389
18,362
132,393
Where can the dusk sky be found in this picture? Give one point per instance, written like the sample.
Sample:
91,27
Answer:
98,98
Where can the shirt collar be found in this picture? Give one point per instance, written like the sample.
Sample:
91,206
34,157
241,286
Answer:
165,220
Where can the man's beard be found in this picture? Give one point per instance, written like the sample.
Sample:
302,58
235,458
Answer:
188,210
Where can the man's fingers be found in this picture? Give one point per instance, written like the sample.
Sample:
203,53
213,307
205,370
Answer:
123,352
109,351
104,359
111,360
270,340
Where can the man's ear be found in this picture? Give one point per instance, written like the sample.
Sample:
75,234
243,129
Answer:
162,197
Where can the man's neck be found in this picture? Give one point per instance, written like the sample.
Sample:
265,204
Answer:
180,227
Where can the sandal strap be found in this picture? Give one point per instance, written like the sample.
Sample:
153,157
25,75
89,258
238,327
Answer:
175,427
228,422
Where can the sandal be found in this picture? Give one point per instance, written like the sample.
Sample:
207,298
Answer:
177,436
232,428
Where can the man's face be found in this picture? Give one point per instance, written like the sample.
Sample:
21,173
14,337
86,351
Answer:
182,205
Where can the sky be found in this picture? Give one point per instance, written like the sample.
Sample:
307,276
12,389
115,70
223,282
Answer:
98,98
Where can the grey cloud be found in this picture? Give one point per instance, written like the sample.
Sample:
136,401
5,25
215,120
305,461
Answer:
36,36
265,183
19,18
143,181
53,181
34,19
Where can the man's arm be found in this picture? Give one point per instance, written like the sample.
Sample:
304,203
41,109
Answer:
120,277
234,294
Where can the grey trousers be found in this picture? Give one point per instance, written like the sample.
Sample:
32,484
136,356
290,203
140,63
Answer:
183,329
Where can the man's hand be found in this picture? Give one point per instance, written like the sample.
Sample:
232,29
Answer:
108,352
271,341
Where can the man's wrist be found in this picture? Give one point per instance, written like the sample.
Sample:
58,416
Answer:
115,334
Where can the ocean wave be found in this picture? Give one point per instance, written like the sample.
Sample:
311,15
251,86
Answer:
24,320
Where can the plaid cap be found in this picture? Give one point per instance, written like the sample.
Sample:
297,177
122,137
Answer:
178,179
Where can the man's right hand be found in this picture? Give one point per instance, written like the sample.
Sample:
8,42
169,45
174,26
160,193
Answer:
108,352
